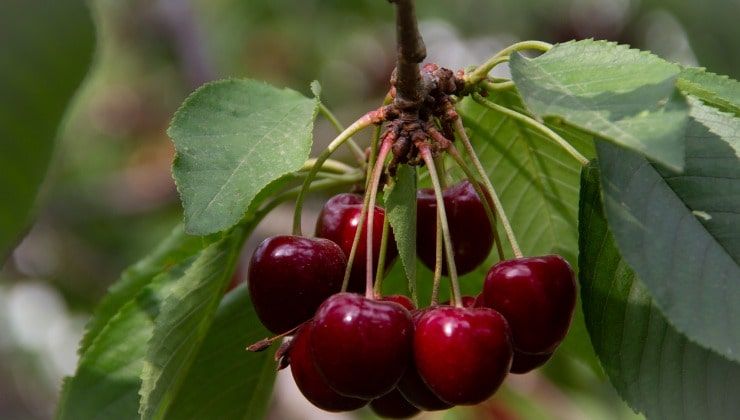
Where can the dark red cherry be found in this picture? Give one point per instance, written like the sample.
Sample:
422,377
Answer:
290,276
467,301
463,354
401,300
524,362
393,406
537,296
338,222
310,382
470,229
412,387
361,346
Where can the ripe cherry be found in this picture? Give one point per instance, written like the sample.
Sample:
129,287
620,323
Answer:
401,300
524,362
290,276
393,406
338,222
308,379
361,346
470,229
463,354
413,388
537,296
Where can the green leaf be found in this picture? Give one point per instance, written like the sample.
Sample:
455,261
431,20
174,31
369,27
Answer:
400,206
681,231
225,381
538,183
626,96
232,138
657,370
44,59
718,91
107,381
186,310
176,247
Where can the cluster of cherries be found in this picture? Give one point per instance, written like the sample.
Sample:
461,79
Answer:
349,350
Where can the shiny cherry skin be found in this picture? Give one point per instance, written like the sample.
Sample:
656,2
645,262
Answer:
412,387
401,300
361,346
524,362
463,354
310,382
393,406
338,222
290,276
537,295
472,237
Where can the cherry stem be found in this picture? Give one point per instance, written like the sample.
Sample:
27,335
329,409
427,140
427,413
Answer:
438,261
355,241
372,192
356,150
329,165
481,72
504,85
372,117
452,150
380,273
426,154
500,213
267,342
542,128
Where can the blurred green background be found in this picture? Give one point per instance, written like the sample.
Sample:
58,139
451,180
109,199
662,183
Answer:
109,196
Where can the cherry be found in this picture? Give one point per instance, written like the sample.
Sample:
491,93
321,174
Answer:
308,379
361,346
338,222
537,295
470,229
413,388
467,301
524,362
463,354
289,277
401,300
393,406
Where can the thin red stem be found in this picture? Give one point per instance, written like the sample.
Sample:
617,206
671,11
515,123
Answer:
385,148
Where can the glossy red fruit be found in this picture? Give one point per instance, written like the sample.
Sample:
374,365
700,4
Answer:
463,354
413,388
401,300
393,406
537,296
470,230
361,346
338,222
524,362
290,276
467,301
310,382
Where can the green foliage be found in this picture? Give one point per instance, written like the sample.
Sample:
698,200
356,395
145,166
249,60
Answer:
185,312
718,91
678,231
226,382
44,59
233,138
626,96
657,370
400,207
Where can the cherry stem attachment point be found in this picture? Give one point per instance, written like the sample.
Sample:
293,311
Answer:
542,128
372,192
500,213
356,150
426,154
